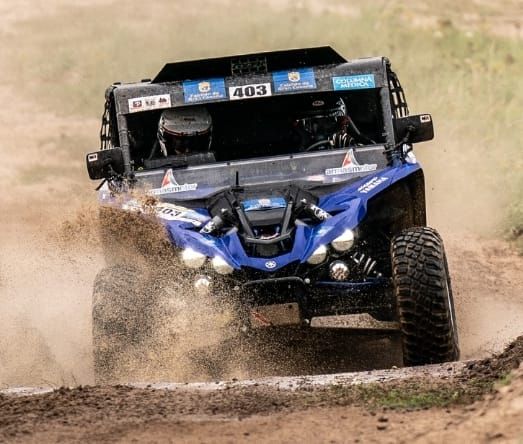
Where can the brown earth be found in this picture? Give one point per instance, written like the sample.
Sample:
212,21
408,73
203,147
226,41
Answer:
469,409
45,297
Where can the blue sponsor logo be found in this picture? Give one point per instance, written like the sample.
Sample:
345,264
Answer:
264,204
363,81
293,80
203,90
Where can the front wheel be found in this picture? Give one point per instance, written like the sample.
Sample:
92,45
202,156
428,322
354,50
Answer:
121,315
423,292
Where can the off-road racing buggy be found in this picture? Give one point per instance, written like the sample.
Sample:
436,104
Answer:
287,185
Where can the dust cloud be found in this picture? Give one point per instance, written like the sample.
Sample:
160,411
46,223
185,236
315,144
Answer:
45,297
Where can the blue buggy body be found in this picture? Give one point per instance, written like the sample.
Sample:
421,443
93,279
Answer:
304,196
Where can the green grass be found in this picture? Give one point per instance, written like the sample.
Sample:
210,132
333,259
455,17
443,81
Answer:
471,84
409,395
504,380
409,400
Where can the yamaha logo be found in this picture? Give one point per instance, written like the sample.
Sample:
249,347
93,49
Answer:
270,265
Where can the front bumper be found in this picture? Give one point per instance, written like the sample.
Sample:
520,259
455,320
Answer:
322,298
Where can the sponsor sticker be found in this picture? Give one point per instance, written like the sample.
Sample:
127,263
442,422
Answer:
294,80
371,184
168,211
351,165
149,102
250,91
362,81
170,185
203,90
171,212
264,204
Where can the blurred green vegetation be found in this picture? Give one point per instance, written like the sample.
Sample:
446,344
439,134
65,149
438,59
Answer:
470,82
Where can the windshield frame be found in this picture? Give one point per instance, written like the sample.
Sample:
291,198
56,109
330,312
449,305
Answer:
157,175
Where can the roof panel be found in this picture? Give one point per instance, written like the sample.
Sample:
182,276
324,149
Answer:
256,63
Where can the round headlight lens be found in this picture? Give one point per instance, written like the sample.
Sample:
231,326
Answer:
192,258
220,266
202,285
318,255
339,271
344,242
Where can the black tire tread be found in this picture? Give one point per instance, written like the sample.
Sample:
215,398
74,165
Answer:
420,279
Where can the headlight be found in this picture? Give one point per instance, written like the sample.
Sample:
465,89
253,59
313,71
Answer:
220,266
202,285
344,242
339,271
192,258
318,256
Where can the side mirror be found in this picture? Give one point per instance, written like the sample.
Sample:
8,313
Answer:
414,129
105,164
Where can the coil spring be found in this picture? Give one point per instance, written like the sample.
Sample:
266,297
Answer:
366,264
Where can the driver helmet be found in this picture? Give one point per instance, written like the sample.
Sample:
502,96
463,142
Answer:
324,117
185,131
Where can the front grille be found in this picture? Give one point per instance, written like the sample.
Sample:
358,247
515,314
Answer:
252,274
268,250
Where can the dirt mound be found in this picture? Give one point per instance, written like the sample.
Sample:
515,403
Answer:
498,366
266,413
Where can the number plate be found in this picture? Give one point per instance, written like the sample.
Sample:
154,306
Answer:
250,91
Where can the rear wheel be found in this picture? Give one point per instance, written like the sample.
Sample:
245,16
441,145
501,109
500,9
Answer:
423,293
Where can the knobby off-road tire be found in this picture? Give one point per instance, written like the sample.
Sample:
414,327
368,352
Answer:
423,293
121,314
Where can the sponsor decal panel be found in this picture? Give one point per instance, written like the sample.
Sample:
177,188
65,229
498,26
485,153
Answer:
351,165
371,184
167,211
171,212
250,91
203,90
294,80
264,204
362,81
149,102
170,185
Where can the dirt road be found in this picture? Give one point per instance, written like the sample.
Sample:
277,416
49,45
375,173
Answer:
421,408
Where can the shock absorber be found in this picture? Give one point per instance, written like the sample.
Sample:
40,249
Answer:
366,264
315,211
216,223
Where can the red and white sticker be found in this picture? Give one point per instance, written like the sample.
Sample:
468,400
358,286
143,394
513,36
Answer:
250,91
148,103
351,165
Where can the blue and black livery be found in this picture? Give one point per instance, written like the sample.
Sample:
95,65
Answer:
335,225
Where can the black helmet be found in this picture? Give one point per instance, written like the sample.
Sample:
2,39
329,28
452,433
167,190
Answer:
185,131
322,118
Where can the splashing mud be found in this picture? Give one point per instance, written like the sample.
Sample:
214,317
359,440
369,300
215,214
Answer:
48,272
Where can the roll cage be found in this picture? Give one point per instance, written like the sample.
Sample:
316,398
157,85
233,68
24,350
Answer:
326,71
